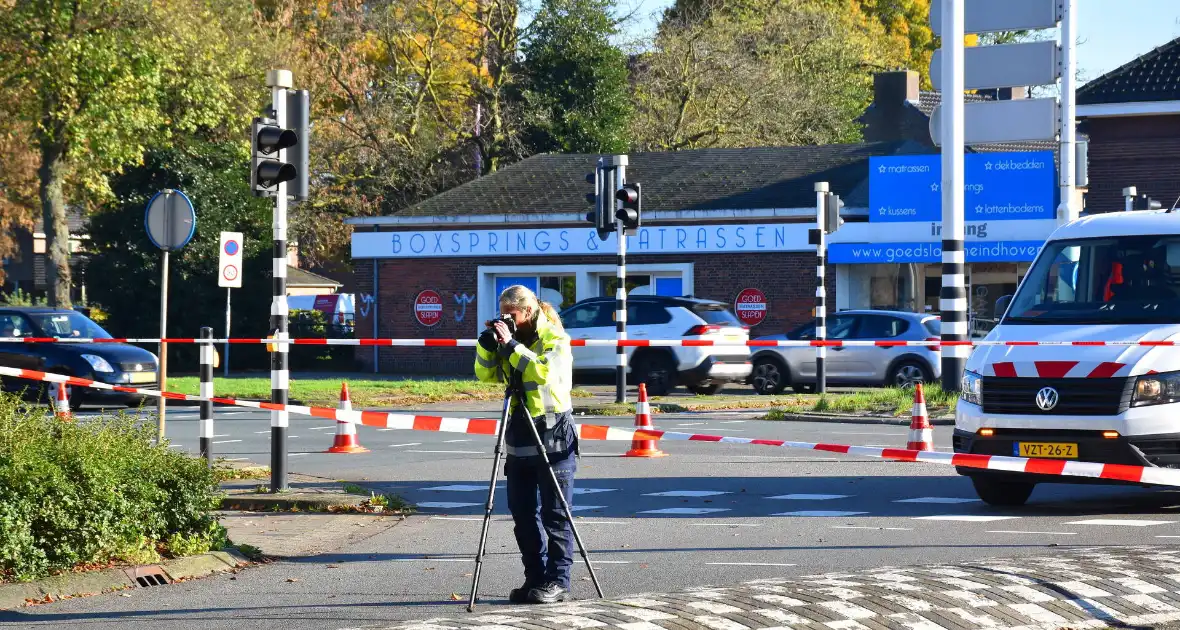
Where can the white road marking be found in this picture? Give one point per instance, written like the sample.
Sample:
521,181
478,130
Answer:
579,508
810,497
321,428
453,441
445,504
942,500
735,422
892,529
221,435
819,513
684,510
690,424
261,432
593,490
686,493
298,454
226,441
408,444
457,452
968,518
1012,531
751,564
236,459
1119,521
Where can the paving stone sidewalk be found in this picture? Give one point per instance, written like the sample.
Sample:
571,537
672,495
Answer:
1107,587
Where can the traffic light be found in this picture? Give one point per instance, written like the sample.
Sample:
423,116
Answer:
299,118
601,218
632,211
832,220
266,170
1143,202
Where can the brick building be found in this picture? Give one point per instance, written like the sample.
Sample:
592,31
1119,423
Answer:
1132,116
716,221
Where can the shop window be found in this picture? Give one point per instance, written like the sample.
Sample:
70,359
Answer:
560,291
607,285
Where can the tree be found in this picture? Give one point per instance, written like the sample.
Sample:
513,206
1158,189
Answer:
577,81
729,73
99,81
124,269
18,188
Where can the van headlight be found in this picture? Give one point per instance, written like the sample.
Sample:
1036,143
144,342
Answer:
98,363
1156,389
971,388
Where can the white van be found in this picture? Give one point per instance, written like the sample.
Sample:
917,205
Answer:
1110,277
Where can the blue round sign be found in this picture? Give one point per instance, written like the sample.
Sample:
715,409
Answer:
170,220
231,248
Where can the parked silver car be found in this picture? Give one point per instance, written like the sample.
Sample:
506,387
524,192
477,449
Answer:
777,368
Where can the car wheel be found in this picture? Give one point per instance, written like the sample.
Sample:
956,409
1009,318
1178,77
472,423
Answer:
1002,493
658,373
908,373
769,376
704,390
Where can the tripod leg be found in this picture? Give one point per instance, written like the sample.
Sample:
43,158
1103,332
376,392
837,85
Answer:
561,497
487,517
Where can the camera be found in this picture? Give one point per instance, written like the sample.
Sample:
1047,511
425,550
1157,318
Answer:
507,319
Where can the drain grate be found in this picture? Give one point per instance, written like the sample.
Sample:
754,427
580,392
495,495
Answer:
151,575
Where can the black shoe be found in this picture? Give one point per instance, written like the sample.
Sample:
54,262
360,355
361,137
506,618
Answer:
548,593
520,595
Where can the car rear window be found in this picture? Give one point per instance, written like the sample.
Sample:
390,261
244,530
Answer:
934,325
716,314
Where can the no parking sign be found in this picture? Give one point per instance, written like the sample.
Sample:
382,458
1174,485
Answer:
229,269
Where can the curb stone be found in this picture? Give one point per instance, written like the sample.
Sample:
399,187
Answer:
95,582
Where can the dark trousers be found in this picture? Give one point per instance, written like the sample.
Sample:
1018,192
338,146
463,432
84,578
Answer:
543,533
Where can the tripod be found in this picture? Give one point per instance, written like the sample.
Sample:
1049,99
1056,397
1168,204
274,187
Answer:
515,391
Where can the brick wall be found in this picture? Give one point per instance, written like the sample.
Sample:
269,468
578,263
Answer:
787,279
1140,151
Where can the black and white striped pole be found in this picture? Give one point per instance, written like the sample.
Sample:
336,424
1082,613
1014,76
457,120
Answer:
279,81
953,298
821,310
206,418
618,165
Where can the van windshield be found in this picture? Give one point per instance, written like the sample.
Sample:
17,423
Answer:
1111,280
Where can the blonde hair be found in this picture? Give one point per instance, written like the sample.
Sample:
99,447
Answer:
522,298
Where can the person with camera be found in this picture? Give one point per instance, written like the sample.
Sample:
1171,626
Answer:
528,345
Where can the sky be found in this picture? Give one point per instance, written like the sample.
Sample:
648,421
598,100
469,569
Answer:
1110,32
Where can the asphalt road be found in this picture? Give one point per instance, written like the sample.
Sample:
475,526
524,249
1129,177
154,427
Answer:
708,513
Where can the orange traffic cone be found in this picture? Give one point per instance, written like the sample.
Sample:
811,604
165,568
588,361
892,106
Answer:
61,405
643,448
345,441
921,434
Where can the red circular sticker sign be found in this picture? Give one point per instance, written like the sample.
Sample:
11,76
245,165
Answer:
750,306
428,308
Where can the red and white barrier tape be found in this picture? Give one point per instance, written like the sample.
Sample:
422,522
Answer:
487,426
628,343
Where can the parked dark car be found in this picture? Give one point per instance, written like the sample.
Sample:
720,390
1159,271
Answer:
114,363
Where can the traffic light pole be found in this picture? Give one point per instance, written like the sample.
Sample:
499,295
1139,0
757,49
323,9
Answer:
279,82
619,170
821,310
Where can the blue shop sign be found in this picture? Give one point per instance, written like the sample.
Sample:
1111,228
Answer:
999,186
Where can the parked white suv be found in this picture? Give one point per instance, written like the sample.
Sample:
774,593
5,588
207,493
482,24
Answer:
702,369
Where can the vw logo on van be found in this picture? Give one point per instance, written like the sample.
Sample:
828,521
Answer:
1047,399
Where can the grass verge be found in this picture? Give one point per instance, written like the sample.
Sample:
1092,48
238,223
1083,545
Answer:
890,401
363,393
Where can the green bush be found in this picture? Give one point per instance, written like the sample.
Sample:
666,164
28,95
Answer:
74,493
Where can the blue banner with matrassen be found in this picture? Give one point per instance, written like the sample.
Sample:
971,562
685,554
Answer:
998,186
975,251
